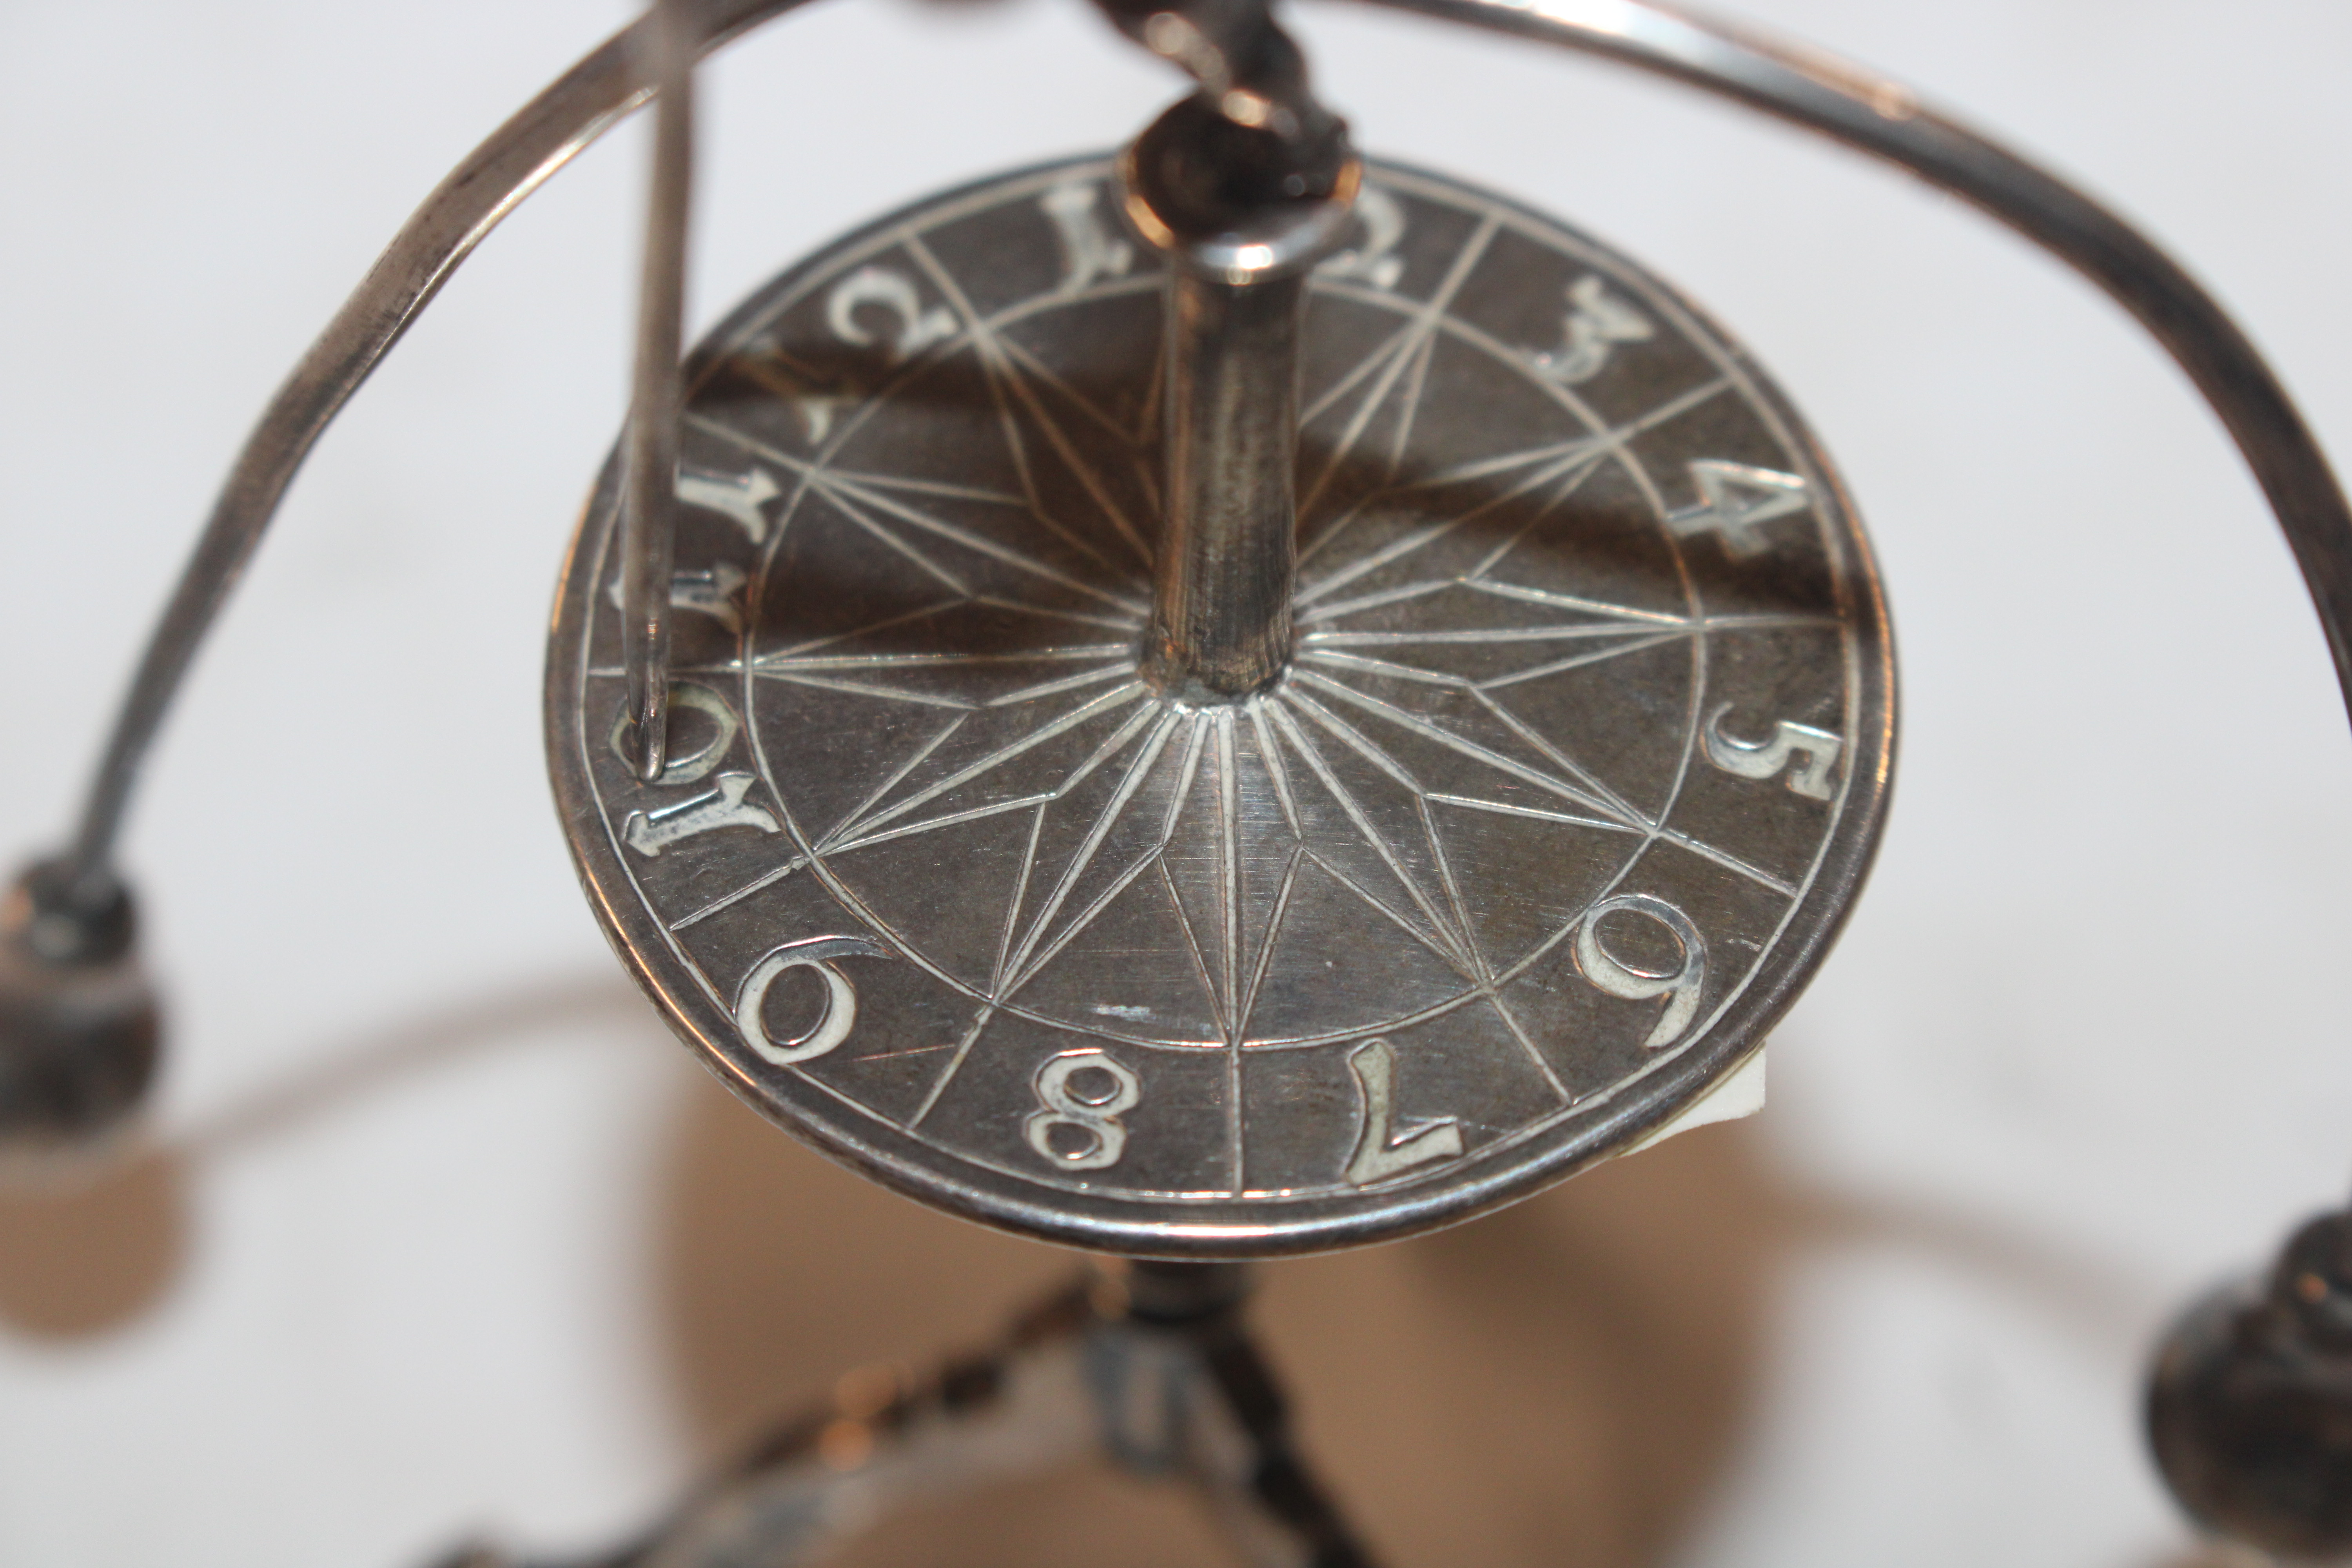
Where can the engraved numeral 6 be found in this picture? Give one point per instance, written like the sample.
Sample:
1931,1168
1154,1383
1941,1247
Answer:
1084,1093
831,1026
1682,986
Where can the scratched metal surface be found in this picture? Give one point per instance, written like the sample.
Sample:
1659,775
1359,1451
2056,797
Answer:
1572,777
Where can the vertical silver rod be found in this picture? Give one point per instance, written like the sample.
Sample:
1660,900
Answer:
1221,588
649,478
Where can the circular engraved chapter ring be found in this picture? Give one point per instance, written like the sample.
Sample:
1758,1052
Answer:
1577,764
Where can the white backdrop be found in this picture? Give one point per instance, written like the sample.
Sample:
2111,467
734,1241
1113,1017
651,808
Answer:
2082,1049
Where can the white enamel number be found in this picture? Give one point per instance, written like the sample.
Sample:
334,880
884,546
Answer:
1763,759
650,832
1379,1152
1372,261
1682,987
1597,321
831,1027
1735,500
1088,250
1084,1106
916,328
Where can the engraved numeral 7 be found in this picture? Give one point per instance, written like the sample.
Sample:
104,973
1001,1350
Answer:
1379,1152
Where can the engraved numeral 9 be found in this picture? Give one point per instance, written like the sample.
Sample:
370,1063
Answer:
1084,1093
1682,987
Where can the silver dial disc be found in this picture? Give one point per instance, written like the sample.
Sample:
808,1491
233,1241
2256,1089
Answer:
1576,767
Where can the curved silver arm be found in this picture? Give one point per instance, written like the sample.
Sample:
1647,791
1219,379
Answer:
583,104
1886,119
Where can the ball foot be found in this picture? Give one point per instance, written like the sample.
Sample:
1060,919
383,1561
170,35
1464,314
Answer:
78,1020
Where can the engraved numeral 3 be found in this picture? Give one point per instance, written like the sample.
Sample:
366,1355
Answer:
1682,986
1379,1152
1084,1094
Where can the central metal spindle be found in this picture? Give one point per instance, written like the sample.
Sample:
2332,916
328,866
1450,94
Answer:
1244,196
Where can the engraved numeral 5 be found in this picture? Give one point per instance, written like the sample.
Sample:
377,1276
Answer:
831,1027
1682,987
1762,759
1084,1093
1379,1152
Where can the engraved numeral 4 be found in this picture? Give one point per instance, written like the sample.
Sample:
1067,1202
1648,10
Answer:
1735,500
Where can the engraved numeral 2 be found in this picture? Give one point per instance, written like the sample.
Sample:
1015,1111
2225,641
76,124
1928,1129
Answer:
1085,1109
916,328
1682,987
1762,759
831,1027
1379,1152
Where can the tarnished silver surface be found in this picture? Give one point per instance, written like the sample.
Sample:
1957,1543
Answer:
1580,754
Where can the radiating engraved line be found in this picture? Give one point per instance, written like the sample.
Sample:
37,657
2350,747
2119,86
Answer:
1101,753
1399,341
1125,666
1013,910
1425,318
978,543
858,688
1502,808
994,356
1013,747
868,479
1192,945
1048,612
1558,756
859,518
1347,803
1396,917
1571,602
955,1064
884,624
1527,1044
1374,601
767,663
1575,468
1482,635
1229,845
1446,738
886,785
1270,758
1037,369
1727,860
1486,971
1557,664
1104,821
1176,802
1266,943
727,900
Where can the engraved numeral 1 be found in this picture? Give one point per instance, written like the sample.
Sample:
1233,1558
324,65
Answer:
1087,1107
1088,250
831,1027
916,328
1762,759
1383,222
1682,987
1735,500
1379,1152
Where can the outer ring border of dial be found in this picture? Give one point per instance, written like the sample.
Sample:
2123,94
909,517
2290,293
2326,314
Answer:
1108,1223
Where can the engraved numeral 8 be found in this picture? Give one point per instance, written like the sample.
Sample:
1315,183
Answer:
1084,1093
